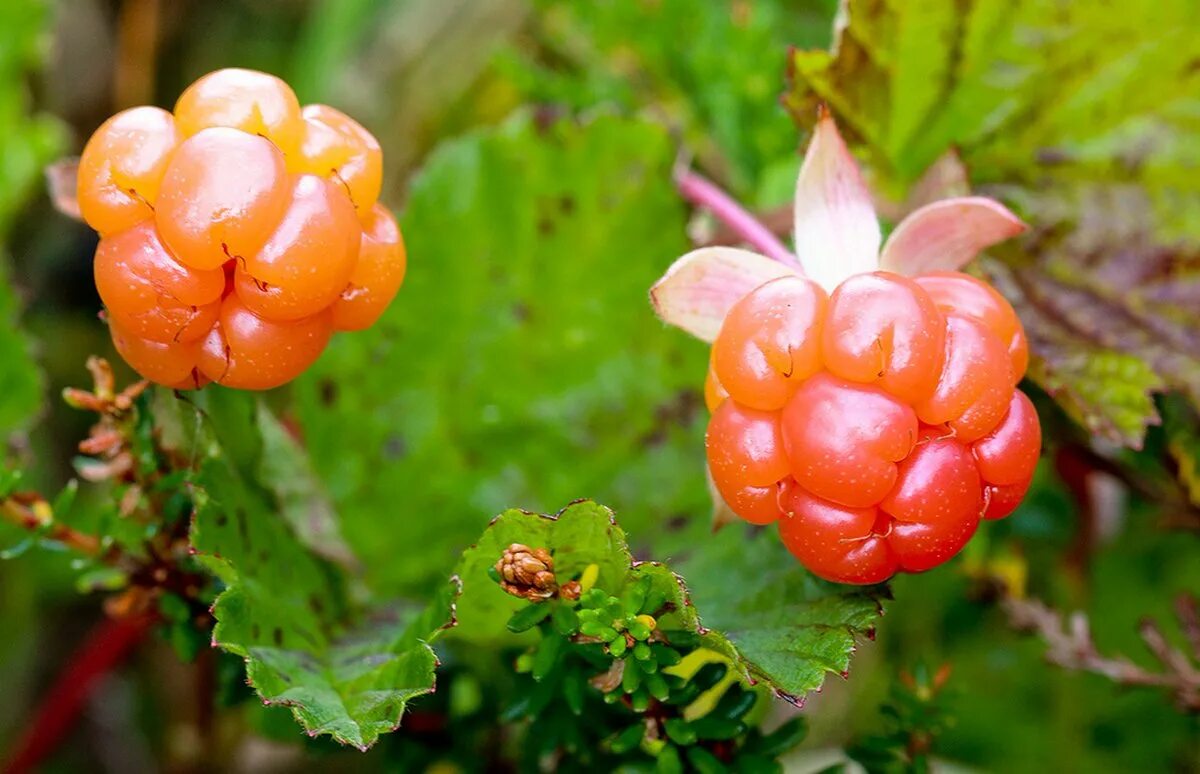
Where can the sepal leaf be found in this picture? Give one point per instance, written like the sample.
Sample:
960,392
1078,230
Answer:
836,232
698,290
947,235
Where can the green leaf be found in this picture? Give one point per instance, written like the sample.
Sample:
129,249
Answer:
628,739
21,381
527,617
1107,391
1009,84
656,684
573,689
631,678
665,656
635,596
773,619
679,731
735,703
566,621
30,141
343,671
721,89
668,761
545,658
520,362
638,630
1181,425
709,675
782,739
1083,122
709,727
705,762
301,496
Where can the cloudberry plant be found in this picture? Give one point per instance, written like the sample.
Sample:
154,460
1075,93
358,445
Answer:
903,430
862,398
237,234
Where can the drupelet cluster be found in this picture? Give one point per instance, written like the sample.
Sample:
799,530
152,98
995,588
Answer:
238,233
876,425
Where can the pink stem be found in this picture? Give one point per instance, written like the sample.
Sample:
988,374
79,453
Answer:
704,193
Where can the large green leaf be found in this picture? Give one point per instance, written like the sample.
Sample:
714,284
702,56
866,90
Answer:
26,143
752,601
520,365
303,501
29,141
1083,119
343,671
719,90
779,622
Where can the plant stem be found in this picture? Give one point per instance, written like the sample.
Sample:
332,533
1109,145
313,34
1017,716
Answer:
704,193
1071,646
108,644
18,510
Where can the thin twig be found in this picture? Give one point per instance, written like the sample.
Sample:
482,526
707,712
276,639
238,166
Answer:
1188,611
704,193
1071,646
31,512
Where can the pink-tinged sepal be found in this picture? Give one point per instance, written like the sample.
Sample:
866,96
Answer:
698,290
836,232
947,235
62,180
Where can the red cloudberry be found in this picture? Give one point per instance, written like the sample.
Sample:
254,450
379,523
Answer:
878,426
237,233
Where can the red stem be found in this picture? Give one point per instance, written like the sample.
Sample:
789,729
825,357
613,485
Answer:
704,193
106,646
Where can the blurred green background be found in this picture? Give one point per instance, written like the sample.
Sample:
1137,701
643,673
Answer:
529,146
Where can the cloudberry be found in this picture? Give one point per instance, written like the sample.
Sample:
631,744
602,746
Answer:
877,426
237,233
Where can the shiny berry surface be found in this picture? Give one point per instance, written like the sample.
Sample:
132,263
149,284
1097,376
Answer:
876,427
237,233
246,351
377,275
975,383
337,147
884,329
149,293
962,294
223,194
770,342
252,102
122,167
844,440
308,259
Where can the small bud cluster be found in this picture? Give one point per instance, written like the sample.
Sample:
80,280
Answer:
651,692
